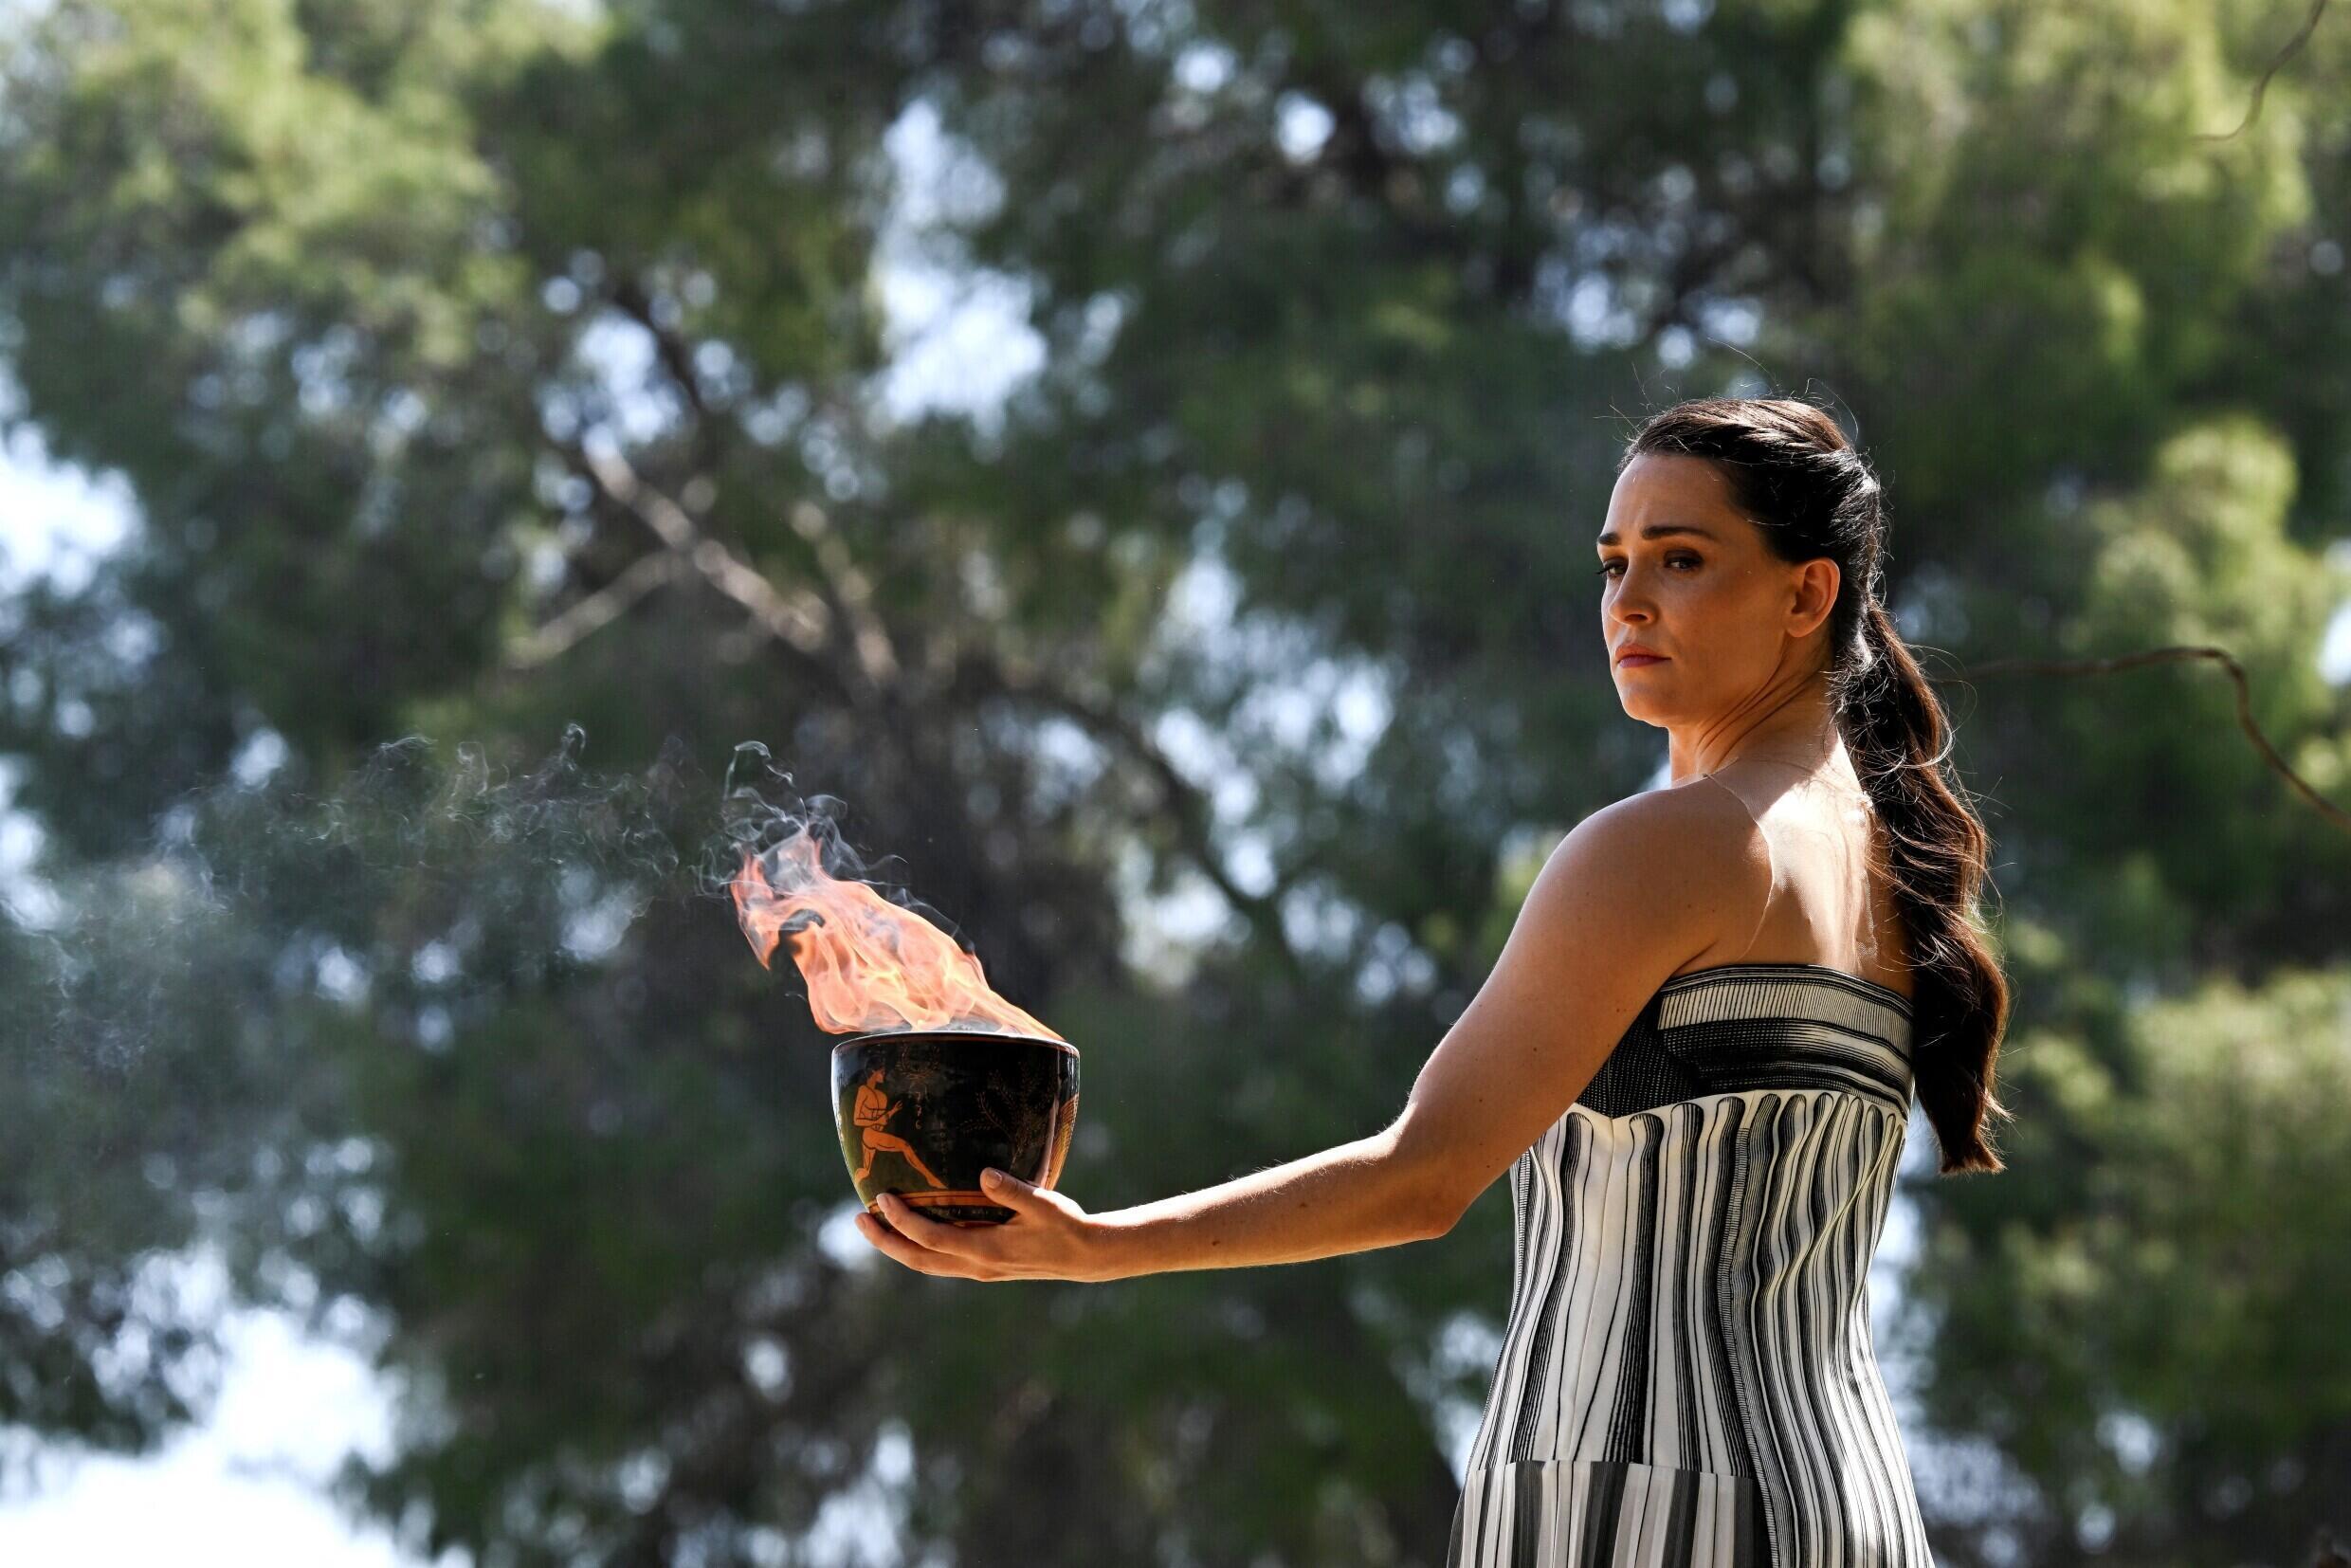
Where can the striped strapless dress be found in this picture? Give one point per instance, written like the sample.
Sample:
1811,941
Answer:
1686,1374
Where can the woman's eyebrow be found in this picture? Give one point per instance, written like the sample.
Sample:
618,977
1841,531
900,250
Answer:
1658,530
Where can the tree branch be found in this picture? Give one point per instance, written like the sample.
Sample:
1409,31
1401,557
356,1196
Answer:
2165,655
800,621
850,591
637,304
595,612
811,623
1179,800
806,625
2293,48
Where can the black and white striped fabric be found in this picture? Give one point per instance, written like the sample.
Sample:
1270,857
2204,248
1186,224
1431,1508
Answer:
1686,1375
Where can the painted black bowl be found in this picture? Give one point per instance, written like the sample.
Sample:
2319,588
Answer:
923,1112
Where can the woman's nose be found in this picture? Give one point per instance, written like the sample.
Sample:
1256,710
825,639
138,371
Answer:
1630,601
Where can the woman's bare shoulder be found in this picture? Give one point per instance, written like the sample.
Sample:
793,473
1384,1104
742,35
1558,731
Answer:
1704,806
1697,838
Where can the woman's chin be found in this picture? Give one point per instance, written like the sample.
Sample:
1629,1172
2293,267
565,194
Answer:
1644,706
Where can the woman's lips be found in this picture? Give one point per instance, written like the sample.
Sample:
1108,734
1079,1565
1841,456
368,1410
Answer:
1634,661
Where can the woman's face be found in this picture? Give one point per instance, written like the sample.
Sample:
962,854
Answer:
1684,573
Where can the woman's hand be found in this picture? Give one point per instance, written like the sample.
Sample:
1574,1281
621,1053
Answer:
1048,1237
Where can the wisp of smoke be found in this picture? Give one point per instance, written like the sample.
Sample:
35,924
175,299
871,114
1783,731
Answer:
413,868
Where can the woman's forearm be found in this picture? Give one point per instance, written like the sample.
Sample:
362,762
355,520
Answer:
1350,1198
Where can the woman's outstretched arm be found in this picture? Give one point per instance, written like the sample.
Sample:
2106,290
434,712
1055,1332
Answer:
1348,1199
1633,893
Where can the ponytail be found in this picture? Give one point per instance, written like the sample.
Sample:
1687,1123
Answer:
1793,472
1895,730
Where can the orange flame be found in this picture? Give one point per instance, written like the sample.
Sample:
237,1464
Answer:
870,965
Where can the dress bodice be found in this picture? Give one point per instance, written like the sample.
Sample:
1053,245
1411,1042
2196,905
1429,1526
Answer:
1688,1354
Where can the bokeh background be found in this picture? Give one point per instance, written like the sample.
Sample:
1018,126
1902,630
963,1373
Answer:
1143,459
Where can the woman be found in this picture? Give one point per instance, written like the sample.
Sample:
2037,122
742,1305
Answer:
1734,986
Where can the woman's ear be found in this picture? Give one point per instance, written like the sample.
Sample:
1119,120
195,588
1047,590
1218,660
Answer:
1813,596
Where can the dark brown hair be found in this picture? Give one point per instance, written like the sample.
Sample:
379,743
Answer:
1796,477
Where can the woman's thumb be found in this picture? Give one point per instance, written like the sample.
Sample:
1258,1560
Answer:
1013,1192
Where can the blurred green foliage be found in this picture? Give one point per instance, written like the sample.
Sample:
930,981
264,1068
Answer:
386,310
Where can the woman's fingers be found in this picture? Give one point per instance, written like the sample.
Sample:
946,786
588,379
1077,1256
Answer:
892,1245
924,1245
917,1227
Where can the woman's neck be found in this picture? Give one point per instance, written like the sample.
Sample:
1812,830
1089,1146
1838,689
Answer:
1798,731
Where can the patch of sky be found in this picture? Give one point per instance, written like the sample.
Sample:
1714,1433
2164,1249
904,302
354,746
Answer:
957,335
1584,300
859,1525
638,404
25,897
1412,106
1300,126
341,977
767,1363
1320,922
1465,1349
2335,647
1166,923
1393,965
436,963
263,753
1203,66
280,1408
597,917
56,522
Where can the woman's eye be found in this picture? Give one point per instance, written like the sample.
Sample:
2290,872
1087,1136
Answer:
1671,560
